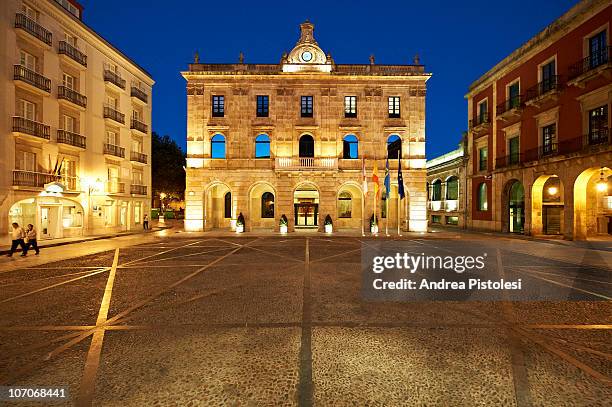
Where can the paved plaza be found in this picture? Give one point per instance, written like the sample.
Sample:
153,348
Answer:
199,319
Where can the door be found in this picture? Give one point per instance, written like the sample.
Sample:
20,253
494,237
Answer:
552,220
549,80
598,49
49,222
306,214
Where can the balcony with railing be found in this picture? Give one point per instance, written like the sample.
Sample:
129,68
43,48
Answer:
481,123
136,189
31,78
70,138
306,163
116,151
36,30
74,54
115,186
22,178
71,95
114,78
30,127
508,160
590,67
136,124
511,108
138,157
596,139
544,151
545,91
111,113
139,94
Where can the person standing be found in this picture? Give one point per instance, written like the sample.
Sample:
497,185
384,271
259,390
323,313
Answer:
31,239
145,222
17,235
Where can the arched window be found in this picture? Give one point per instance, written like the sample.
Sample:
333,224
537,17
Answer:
436,190
227,205
306,146
217,146
262,146
267,205
394,146
350,147
452,188
345,205
483,204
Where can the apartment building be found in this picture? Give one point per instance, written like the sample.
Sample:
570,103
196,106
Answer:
292,138
75,119
539,147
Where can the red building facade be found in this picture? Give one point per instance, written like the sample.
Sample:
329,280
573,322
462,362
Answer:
539,141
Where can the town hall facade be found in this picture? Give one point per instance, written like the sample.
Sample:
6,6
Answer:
293,139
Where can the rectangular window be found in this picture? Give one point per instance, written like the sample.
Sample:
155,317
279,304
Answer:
482,158
598,125
136,145
394,107
514,99
69,123
483,112
68,81
111,101
548,139
549,78
452,220
71,39
218,105
306,106
598,49
263,102
137,177
435,219
27,109
29,12
28,60
25,161
513,150
350,106
112,138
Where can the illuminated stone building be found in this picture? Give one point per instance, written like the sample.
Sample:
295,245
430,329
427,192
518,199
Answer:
267,140
75,119
539,143
446,188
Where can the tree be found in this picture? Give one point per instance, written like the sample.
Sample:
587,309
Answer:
167,167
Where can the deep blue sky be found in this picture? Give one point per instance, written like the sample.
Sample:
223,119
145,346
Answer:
457,40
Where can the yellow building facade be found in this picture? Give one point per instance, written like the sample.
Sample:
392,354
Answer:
291,140
75,114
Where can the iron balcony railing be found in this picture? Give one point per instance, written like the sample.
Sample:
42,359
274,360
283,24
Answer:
545,86
35,179
33,28
138,125
27,126
114,78
137,189
68,50
515,102
589,63
21,73
112,149
139,94
71,95
115,186
138,157
547,150
598,136
507,160
70,138
479,120
111,113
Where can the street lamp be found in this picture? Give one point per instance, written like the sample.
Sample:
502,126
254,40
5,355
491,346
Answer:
602,184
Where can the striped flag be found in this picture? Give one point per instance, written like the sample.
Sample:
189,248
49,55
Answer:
387,178
365,178
375,178
400,180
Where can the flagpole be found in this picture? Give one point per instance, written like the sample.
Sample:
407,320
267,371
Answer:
387,216
399,209
363,196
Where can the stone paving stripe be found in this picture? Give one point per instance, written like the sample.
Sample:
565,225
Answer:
162,252
565,285
184,255
88,381
54,285
49,278
305,372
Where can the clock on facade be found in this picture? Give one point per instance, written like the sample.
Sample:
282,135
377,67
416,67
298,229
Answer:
306,56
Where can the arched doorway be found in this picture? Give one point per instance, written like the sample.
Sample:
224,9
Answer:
349,202
593,203
516,207
218,207
306,206
306,146
262,206
394,146
547,206
54,217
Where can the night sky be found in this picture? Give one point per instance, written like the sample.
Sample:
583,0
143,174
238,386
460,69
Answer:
457,42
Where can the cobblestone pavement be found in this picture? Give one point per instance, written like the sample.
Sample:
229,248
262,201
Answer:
264,321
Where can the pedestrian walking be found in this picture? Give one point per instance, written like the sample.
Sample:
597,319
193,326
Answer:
145,222
31,239
17,235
